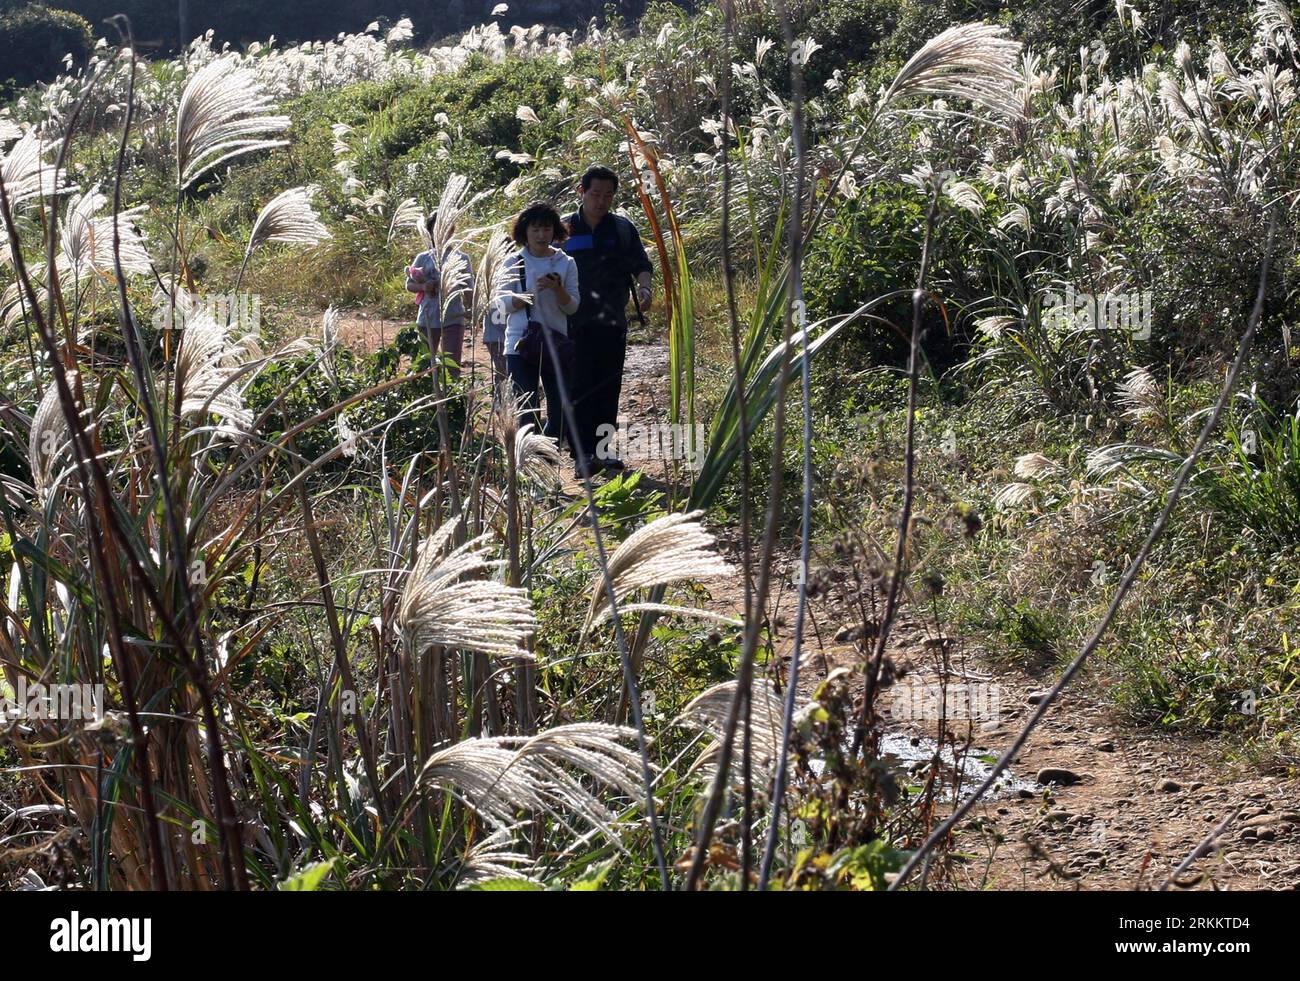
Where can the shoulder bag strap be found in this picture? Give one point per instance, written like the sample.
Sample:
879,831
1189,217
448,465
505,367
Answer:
625,233
523,281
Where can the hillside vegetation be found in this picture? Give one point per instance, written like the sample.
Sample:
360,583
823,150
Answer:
354,629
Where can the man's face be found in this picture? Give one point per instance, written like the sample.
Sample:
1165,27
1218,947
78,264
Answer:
597,200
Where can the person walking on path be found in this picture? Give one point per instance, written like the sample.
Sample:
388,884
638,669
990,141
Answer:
494,339
610,260
442,289
550,278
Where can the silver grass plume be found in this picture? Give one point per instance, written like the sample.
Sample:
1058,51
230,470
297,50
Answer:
87,239
454,276
964,195
670,549
449,600
289,218
974,62
993,327
407,215
1035,466
400,32
1014,495
537,457
494,276
210,365
1274,27
48,441
347,435
507,404
15,301
452,205
27,175
1142,397
1017,216
493,858
708,713
594,749
1106,460
500,776
224,112
479,772
453,267
329,341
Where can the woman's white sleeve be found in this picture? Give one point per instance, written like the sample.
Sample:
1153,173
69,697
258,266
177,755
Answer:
571,287
507,281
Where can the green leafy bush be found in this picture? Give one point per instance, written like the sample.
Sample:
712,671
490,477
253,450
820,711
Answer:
1256,480
315,392
867,249
34,40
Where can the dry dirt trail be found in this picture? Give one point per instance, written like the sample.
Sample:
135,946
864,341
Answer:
1133,802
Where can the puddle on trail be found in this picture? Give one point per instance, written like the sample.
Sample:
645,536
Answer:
908,754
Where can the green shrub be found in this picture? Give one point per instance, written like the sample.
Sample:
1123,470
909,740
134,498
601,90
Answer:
867,249
34,40
302,396
1256,480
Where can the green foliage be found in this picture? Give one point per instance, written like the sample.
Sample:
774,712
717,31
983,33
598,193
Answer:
295,391
623,508
1027,629
480,103
1255,481
34,40
867,249
865,867
507,885
1186,657
1191,675
310,878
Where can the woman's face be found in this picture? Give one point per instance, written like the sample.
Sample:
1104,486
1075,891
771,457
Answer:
540,235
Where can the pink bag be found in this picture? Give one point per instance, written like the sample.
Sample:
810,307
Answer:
416,273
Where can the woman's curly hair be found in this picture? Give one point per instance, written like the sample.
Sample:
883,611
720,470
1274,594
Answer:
538,213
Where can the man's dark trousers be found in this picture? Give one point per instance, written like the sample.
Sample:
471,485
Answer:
602,348
609,257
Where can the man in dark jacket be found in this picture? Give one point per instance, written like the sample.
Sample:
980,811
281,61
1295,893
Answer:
611,262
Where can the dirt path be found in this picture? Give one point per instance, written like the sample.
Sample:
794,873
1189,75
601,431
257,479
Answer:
1125,806
1131,804
1142,801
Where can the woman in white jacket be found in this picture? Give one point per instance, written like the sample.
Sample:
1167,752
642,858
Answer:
543,287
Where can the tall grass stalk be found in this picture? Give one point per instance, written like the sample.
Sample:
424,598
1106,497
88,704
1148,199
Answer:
742,698
625,657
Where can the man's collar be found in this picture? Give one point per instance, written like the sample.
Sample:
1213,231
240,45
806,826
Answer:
582,217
